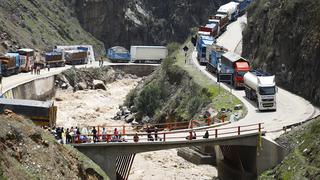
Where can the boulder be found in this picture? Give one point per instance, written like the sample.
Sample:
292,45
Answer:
64,86
82,86
98,84
146,119
129,118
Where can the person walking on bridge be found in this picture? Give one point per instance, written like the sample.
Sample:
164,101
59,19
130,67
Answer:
136,138
95,137
155,133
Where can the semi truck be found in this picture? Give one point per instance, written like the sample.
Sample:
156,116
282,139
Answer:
235,67
222,20
42,113
202,43
54,59
74,57
10,64
261,87
26,59
214,53
230,9
88,48
148,54
118,54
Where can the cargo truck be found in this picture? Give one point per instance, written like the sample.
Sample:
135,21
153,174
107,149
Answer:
222,20
148,54
230,9
26,59
261,87
54,59
74,57
235,67
118,54
42,113
202,43
10,64
243,5
88,48
214,56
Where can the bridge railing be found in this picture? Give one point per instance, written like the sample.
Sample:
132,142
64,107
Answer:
165,136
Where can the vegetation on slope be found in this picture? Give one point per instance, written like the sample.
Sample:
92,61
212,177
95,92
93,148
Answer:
178,92
282,37
29,152
303,162
41,25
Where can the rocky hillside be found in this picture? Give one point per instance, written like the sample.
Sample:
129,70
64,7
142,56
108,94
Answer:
283,37
28,152
143,22
303,162
41,25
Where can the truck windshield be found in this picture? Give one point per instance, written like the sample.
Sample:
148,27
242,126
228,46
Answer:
267,90
241,73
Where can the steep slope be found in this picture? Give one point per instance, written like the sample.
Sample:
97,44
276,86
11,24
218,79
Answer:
303,162
28,152
41,24
283,37
143,22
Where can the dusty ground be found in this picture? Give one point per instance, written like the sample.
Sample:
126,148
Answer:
97,107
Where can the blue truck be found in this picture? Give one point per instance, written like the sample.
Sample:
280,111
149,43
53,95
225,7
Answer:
202,44
214,54
118,54
10,64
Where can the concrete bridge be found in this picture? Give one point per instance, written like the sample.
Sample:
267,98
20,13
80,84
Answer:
243,151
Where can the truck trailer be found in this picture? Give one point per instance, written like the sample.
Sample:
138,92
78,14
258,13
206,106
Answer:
235,66
10,64
214,53
230,9
118,54
42,113
148,54
54,59
202,43
74,57
261,87
222,20
27,58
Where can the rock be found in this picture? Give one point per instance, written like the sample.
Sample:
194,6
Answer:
82,86
64,86
129,118
133,109
134,122
98,84
145,119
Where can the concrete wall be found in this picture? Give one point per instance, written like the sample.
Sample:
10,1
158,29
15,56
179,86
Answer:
136,69
39,89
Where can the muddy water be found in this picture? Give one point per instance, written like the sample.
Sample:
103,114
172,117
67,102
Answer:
97,107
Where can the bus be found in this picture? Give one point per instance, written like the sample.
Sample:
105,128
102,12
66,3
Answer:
26,59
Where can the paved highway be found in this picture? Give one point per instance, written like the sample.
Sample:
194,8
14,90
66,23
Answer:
290,107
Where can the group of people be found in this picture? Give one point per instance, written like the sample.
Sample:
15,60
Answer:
35,69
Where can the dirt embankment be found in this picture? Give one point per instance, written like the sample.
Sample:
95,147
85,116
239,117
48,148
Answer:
28,152
283,38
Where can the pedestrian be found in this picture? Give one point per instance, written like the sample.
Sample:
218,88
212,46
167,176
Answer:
62,136
48,66
115,134
38,70
150,138
101,61
68,136
95,137
104,134
194,135
78,135
156,133
206,135
136,138
32,69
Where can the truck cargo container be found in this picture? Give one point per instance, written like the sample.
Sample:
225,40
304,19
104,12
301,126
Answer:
230,9
202,43
26,59
212,28
148,54
10,64
261,87
88,48
234,65
74,57
243,5
42,113
214,58
118,54
54,59
222,20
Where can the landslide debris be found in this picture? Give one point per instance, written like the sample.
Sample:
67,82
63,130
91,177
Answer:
29,152
283,37
303,162
41,25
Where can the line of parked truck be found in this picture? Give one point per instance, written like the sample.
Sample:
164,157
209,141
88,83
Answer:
137,54
25,60
230,67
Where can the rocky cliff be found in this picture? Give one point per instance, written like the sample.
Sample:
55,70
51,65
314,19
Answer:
143,22
283,37
41,25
